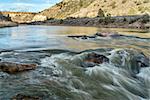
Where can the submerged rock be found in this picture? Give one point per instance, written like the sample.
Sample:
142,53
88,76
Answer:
107,34
94,59
24,97
10,67
81,36
98,34
104,35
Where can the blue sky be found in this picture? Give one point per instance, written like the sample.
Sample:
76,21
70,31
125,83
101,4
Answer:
26,5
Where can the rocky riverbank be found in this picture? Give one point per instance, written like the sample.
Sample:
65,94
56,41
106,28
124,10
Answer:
7,24
141,22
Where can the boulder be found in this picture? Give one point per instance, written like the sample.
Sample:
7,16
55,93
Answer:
81,36
94,59
78,36
10,67
106,34
98,34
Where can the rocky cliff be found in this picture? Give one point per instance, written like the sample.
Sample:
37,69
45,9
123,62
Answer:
83,8
24,17
91,8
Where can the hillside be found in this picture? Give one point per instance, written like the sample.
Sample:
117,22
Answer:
90,8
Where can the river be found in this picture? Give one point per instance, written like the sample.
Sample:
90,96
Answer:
60,74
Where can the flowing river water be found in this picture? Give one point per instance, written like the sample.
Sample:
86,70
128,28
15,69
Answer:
60,74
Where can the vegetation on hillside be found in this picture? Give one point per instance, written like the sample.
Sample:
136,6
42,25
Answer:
91,8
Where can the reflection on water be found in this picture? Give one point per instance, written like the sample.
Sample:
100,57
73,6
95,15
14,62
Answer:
30,37
55,37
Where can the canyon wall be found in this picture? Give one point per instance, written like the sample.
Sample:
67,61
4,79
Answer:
91,8
24,17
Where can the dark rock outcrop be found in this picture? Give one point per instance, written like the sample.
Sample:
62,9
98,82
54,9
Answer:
107,34
81,36
103,35
98,34
24,97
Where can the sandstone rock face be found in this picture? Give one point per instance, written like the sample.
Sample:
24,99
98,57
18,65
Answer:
19,17
83,8
24,17
39,18
65,8
90,8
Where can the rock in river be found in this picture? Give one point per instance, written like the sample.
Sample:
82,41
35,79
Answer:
107,34
98,34
10,67
94,59
83,37
23,97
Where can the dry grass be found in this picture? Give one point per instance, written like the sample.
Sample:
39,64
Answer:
90,8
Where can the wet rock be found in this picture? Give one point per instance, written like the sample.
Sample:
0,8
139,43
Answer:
106,34
142,60
24,97
10,67
98,34
78,36
82,36
94,59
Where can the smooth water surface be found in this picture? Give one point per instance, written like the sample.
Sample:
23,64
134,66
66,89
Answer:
55,37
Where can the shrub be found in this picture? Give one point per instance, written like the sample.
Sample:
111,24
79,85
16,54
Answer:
70,18
124,1
100,13
61,21
50,19
100,20
138,3
108,19
146,1
124,19
108,15
145,18
81,3
113,5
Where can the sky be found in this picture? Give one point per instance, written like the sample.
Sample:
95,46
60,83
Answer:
26,5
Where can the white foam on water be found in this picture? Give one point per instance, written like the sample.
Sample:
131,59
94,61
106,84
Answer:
120,78
145,75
